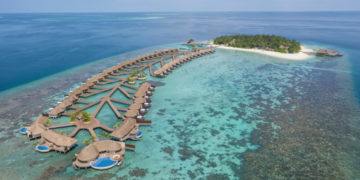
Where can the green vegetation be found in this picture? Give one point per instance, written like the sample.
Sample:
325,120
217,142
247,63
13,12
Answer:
190,41
141,74
137,73
267,42
105,134
48,122
133,74
86,141
130,79
281,51
117,125
85,116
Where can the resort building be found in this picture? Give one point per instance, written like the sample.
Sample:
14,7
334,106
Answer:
51,140
100,155
128,130
168,67
36,128
329,52
63,106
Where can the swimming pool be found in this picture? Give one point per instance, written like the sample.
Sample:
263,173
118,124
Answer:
23,130
42,148
103,163
136,136
139,133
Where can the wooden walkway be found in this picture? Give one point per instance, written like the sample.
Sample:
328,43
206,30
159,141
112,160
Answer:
93,87
61,125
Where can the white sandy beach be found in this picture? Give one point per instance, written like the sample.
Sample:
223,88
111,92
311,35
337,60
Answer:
302,55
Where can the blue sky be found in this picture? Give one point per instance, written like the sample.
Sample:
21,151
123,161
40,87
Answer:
176,5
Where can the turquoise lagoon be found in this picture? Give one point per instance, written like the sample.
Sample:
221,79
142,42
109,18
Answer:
203,115
228,115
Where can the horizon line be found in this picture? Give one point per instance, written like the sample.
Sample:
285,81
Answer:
200,11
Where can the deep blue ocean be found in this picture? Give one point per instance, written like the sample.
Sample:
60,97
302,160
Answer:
34,46
230,115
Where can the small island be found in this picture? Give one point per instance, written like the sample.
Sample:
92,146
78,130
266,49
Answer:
271,45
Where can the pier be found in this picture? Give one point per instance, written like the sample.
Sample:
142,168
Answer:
136,93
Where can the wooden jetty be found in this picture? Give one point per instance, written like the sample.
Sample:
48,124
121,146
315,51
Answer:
136,101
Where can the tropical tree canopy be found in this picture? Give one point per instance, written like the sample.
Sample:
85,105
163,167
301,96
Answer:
276,43
85,116
142,74
92,138
190,41
130,79
133,74
86,141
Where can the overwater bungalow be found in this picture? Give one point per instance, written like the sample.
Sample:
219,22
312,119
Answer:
129,129
329,52
144,90
51,140
131,113
36,128
100,155
143,102
56,112
168,67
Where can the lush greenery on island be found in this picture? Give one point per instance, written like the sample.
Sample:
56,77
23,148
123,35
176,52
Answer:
266,42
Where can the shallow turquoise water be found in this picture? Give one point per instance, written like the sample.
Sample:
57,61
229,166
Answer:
198,126
203,117
209,112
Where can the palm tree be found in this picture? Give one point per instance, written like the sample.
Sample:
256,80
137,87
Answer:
117,125
86,141
103,134
134,73
130,79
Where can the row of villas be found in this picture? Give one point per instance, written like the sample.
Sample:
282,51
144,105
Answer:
107,153
39,125
74,95
168,67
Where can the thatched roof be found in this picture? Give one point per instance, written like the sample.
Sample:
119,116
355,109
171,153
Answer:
125,128
38,126
139,100
322,51
135,106
67,102
60,108
58,139
91,151
142,90
172,63
131,113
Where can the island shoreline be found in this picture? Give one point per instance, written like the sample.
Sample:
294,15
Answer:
302,55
